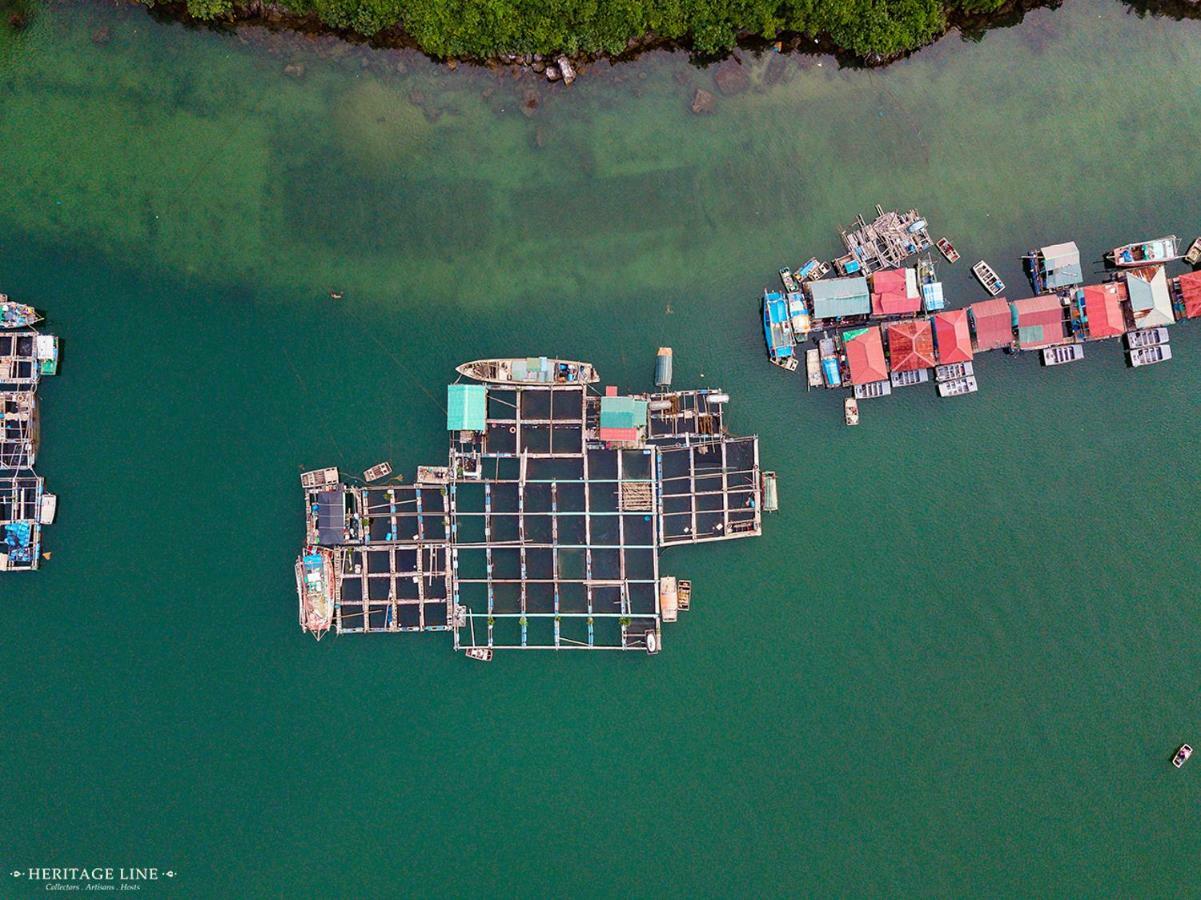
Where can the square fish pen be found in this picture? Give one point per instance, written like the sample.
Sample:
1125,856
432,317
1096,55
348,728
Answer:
544,530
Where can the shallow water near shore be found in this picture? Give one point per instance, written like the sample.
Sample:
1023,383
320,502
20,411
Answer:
957,661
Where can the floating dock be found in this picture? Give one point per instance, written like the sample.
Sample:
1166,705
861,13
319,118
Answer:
26,356
886,328
544,529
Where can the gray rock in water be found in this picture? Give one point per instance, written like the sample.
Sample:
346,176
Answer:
294,70
101,36
553,73
704,102
731,79
565,68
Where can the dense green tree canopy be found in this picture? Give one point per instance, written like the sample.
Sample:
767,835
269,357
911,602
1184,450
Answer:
483,28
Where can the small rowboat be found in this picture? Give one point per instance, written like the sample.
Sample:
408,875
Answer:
850,409
483,654
16,315
1182,755
947,249
1194,253
790,284
988,277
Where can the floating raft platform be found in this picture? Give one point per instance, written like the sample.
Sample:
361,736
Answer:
26,356
545,528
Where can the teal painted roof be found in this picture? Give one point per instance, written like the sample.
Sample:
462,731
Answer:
466,407
840,297
622,412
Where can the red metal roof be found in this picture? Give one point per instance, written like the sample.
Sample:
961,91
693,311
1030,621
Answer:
910,346
1190,293
1040,321
993,322
865,357
889,281
619,435
954,339
1103,308
895,303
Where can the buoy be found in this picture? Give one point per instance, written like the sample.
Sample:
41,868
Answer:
335,295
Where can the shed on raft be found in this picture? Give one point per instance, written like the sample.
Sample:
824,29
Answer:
865,355
910,346
466,407
993,322
1188,289
953,337
1150,302
1040,322
1103,314
838,298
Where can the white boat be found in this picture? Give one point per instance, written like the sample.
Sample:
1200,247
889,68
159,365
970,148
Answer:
988,277
1160,250
16,315
45,348
652,642
1149,356
951,371
1182,755
1194,253
813,367
483,654
871,390
47,509
1065,353
850,409
319,478
909,377
315,588
957,387
530,370
1146,337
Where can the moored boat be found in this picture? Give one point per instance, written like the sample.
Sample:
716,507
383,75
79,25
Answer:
1146,337
1149,356
1194,253
798,315
16,315
530,370
46,351
813,367
1182,755
1160,250
483,654
788,281
771,498
957,387
663,367
1064,353
47,508
988,277
850,409
947,249
777,331
379,470
315,588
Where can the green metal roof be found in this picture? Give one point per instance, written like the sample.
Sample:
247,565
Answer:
840,297
466,407
622,412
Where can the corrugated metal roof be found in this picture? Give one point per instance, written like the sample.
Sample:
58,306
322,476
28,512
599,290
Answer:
1190,293
838,297
622,413
910,346
466,407
894,303
1061,262
954,338
865,356
887,280
993,323
1040,322
1150,301
932,297
1103,309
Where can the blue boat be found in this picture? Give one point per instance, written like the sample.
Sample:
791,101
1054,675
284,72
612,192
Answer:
777,331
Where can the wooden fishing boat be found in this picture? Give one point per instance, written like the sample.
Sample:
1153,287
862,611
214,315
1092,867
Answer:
947,249
379,470
16,315
1194,253
850,409
789,282
315,588
1160,250
1181,756
957,387
530,370
483,654
988,277
1146,337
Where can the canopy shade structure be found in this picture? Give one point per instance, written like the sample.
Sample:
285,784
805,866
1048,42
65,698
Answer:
1150,302
466,406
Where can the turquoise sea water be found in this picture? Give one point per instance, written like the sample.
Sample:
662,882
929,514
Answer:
958,660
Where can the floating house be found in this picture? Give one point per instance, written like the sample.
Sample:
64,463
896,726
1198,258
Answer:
993,322
865,355
1041,322
545,527
953,337
1056,267
911,346
1150,301
1102,309
1188,292
839,298
895,293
